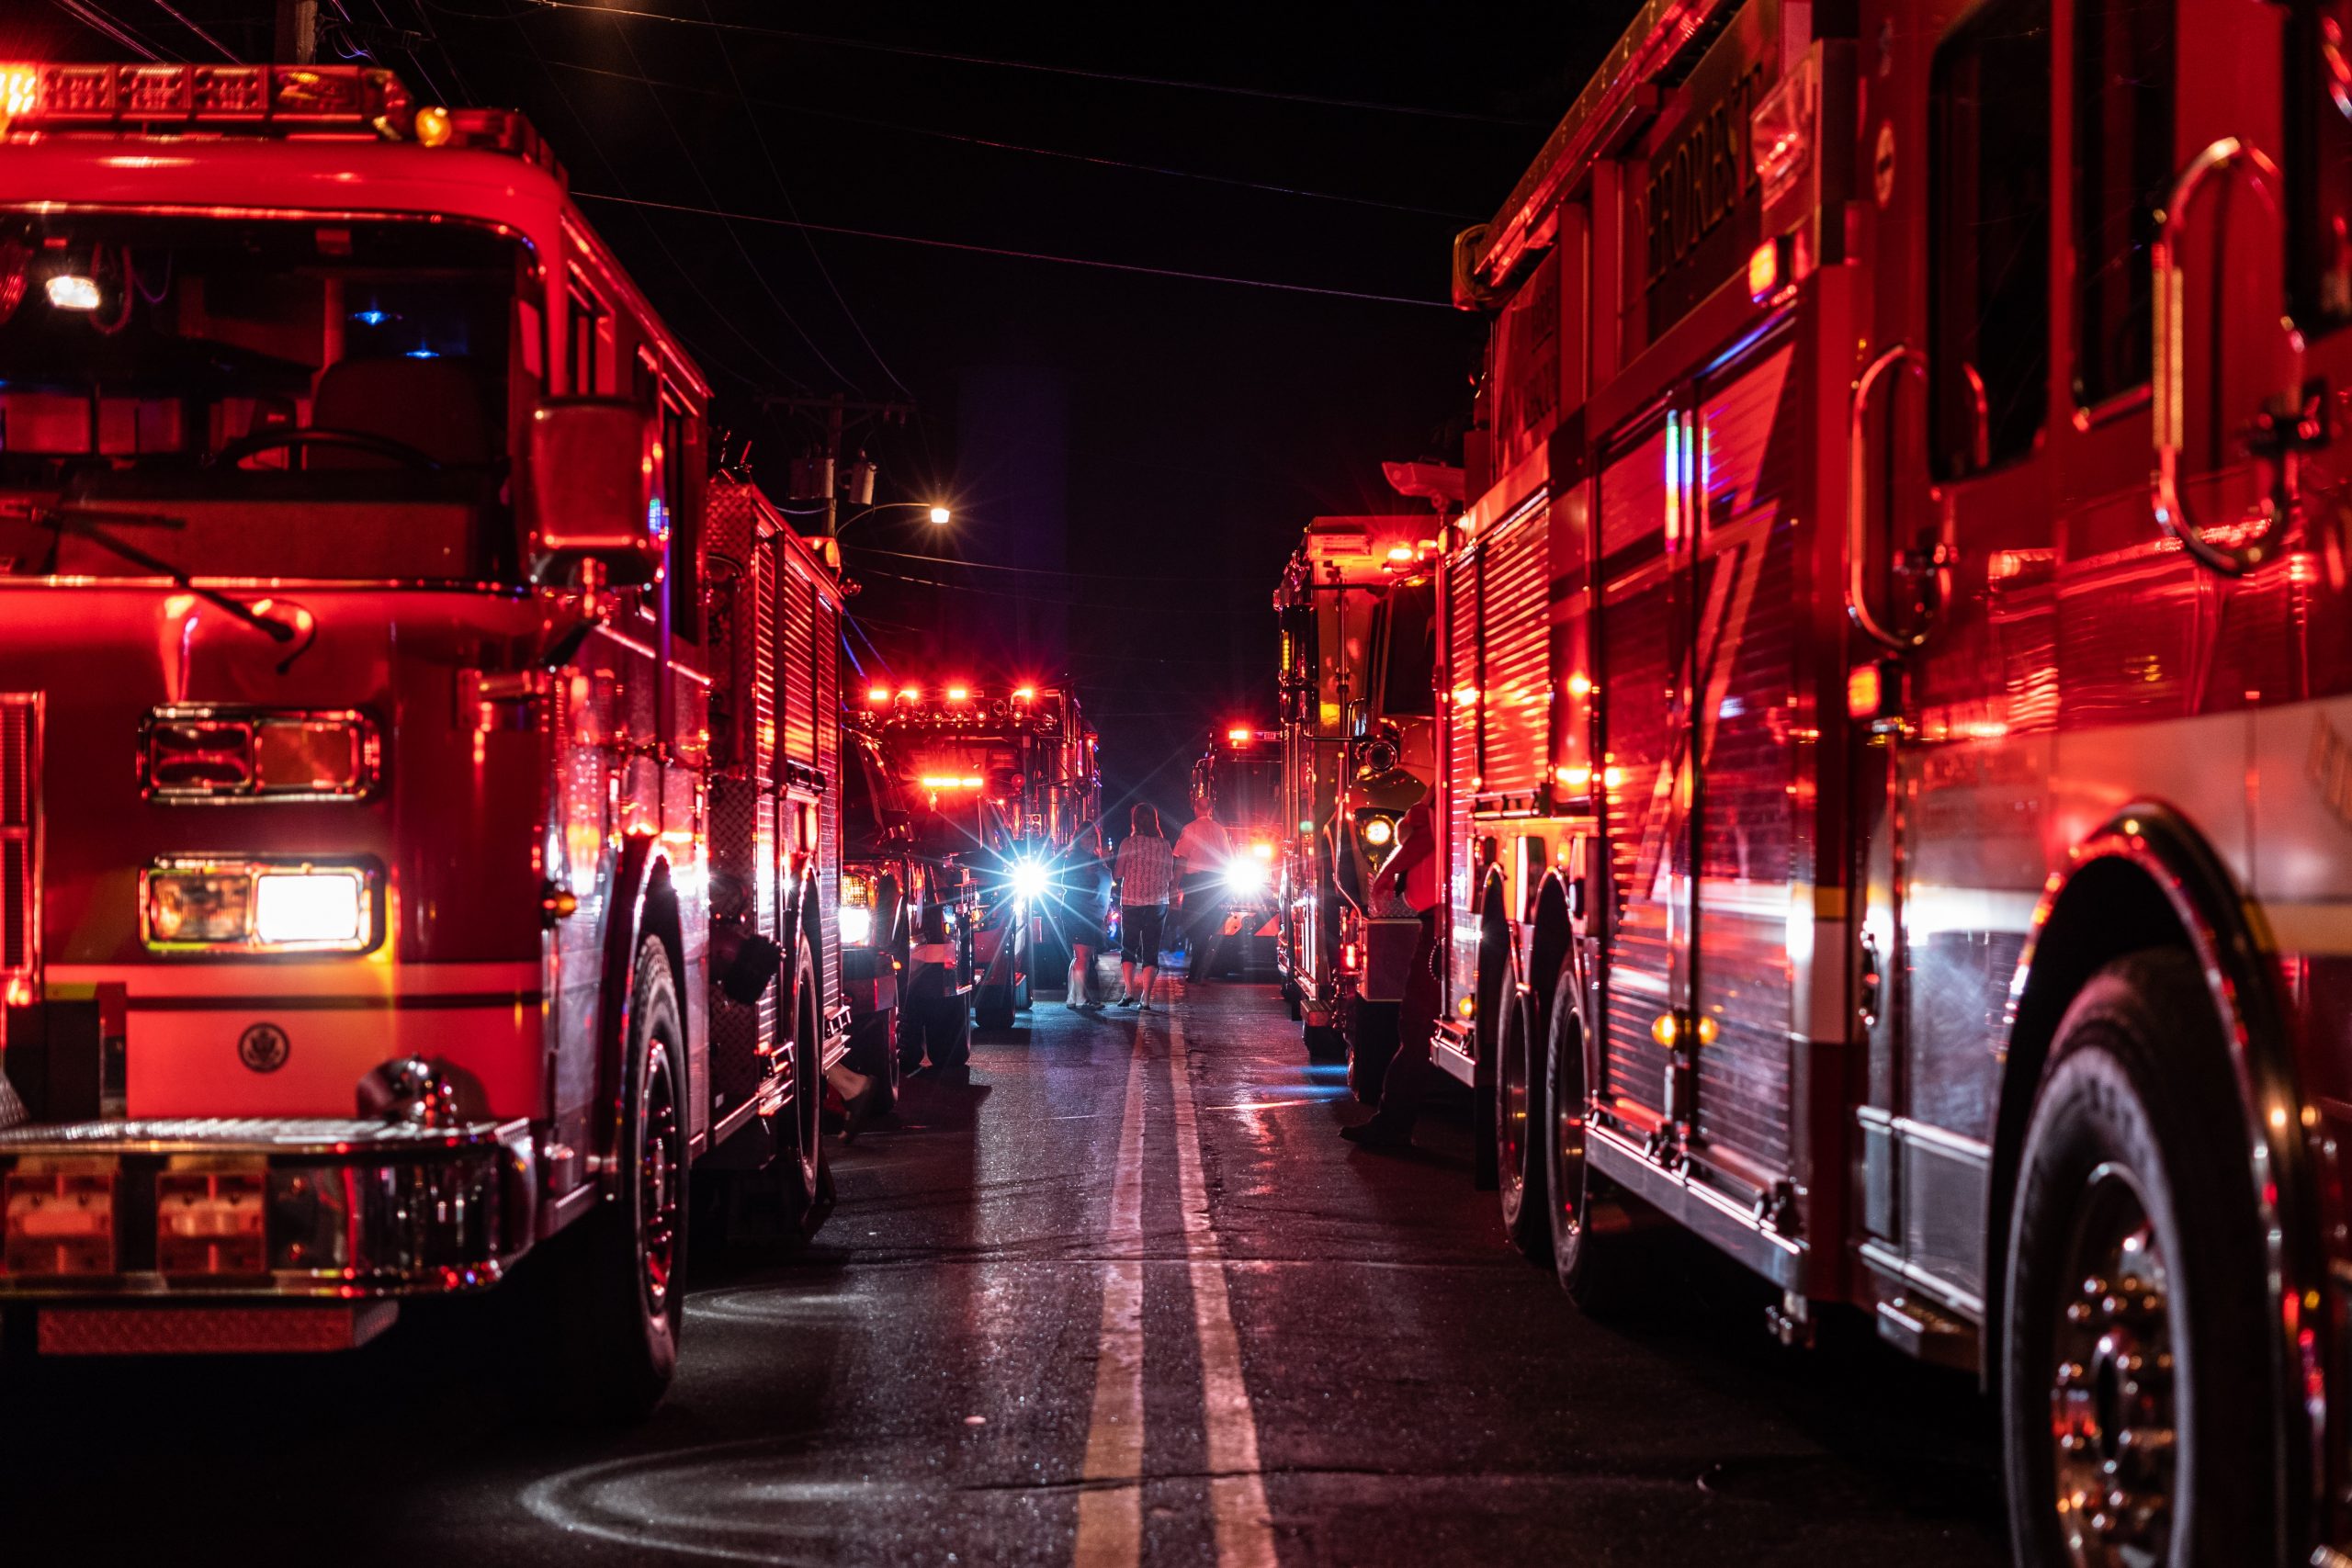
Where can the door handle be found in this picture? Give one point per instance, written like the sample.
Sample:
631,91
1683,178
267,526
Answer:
1902,356
2170,373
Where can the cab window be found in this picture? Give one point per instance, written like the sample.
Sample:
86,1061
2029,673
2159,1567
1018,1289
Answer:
2123,117
1988,239
1410,659
2319,163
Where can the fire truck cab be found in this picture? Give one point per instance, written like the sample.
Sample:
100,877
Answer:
415,765
1355,610
1002,779
1906,509
1238,778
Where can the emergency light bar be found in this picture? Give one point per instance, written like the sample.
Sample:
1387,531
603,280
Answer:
214,98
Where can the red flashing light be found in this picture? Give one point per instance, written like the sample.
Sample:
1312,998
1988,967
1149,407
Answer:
1240,734
1025,694
959,693
911,694
359,98
877,693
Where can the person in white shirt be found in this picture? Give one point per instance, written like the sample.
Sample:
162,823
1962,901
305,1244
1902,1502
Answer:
1202,850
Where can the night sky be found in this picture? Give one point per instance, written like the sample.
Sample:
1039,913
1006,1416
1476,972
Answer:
1132,456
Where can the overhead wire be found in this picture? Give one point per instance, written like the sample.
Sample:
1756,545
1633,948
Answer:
758,275
87,13
1092,159
176,14
776,174
588,139
834,40
1020,255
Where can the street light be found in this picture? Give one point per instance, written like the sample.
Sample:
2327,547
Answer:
939,515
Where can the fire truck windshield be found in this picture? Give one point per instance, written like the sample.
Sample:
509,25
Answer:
288,398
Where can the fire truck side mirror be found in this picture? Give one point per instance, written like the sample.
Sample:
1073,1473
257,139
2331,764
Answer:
589,495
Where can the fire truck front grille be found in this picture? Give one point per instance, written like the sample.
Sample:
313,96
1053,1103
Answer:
19,841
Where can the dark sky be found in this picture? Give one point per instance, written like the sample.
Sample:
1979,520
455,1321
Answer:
1205,422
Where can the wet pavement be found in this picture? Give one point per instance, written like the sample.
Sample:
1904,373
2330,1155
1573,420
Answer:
1116,1295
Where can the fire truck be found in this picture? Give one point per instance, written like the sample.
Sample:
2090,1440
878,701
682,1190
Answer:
415,766
1355,609
889,892
1897,797
1003,779
1238,778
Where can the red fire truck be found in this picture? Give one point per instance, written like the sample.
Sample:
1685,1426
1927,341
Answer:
1355,608
1239,779
1898,798
414,767
1003,779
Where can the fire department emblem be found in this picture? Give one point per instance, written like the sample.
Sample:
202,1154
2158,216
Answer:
263,1048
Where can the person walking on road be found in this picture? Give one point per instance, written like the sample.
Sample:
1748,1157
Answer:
1411,872
1085,899
1202,850
1146,875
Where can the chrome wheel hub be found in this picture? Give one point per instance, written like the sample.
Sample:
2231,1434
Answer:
2112,1410
658,1178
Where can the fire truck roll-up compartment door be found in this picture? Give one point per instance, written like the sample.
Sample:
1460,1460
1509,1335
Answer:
1514,705
808,739
743,823
1699,656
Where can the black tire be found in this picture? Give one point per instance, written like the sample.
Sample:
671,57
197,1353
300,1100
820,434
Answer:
991,1009
1324,1043
621,1302
1373,1032
801,1131
1592,1224
2135,1236
1519,1128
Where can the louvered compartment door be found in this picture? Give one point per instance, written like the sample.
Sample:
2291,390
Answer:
1643,646
1514,702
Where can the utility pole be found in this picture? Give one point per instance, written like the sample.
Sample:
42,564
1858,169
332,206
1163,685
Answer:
837,414
298,33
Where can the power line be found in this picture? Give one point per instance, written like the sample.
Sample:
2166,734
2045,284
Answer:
724,318
121,32
1021,255
807,239
1035,571
176,14
1094,160
832,40
758,275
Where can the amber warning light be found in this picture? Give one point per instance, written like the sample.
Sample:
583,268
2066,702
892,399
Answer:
36,97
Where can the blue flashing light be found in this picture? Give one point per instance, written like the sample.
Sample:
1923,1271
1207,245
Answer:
421,353
372,317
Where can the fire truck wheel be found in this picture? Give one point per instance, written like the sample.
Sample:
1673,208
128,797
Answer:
1324,1041
1371,1043
2140,1412
800,1158
623,1304
991,1009
1592,1224
1519,1123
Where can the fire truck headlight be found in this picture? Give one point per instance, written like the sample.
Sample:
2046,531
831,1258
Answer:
72,291
1244,875
200,905
309,909
857,924
1030,881
1379,831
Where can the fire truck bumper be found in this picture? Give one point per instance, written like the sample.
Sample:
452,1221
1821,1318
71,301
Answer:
223,1215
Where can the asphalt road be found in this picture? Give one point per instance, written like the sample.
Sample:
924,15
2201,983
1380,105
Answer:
1117,1294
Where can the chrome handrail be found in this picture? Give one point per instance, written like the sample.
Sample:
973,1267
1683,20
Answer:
2170,378
1858,497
